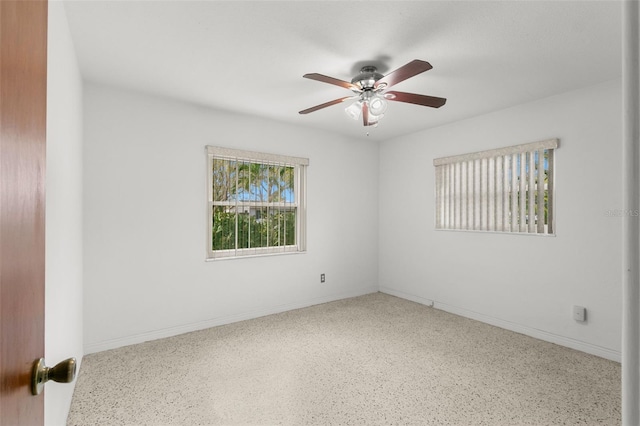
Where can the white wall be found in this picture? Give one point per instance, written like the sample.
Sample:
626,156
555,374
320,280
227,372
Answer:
144,228
145,220
523,283
63,271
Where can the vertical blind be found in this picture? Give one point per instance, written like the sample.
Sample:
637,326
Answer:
508,189
254,203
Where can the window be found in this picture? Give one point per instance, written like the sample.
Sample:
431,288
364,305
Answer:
502,190
256,205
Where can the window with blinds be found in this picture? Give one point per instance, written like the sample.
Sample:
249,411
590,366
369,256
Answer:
256,203
502,190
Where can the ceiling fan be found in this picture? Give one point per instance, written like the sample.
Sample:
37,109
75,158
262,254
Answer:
370,96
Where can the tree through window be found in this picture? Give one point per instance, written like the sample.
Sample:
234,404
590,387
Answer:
256,203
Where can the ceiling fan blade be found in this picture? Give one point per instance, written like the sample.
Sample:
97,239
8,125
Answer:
331,80
324,105
412,98
409,70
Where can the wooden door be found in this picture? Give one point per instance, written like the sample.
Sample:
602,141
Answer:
23,82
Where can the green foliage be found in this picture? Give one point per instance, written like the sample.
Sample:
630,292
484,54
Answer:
260,229
233,180
545,201
241,219
263,182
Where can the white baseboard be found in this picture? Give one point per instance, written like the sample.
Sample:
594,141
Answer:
214,322
568,342
407,296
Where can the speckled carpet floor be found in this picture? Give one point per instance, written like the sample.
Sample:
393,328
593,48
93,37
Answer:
370,360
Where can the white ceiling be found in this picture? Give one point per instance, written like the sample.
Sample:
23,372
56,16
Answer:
249,56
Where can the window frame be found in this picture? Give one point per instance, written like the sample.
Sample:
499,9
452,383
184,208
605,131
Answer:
299,165
461,202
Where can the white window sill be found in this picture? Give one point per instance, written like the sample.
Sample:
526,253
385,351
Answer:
248,256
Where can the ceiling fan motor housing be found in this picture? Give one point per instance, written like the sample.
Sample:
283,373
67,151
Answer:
367,77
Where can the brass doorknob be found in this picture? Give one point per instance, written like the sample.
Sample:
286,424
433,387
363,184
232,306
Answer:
63,372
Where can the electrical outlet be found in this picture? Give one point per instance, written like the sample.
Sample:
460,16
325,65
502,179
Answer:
580,313
321,278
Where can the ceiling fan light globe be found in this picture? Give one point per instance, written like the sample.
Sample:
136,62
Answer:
377,105
373,118
354,110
